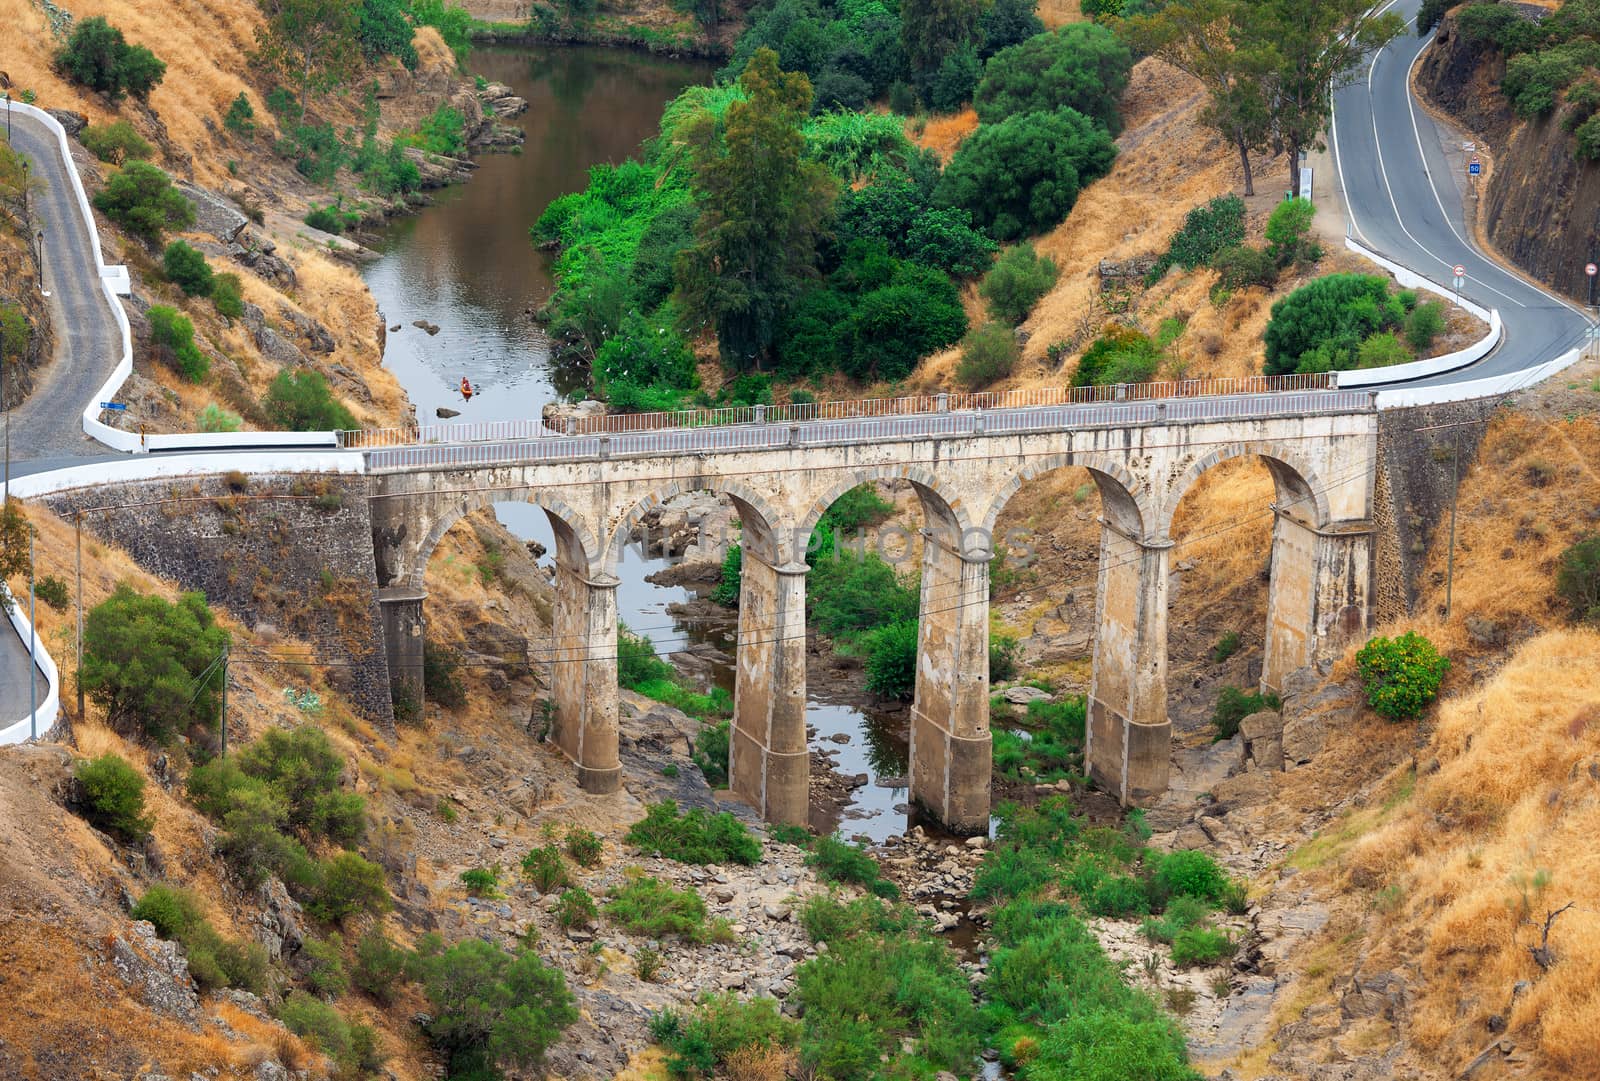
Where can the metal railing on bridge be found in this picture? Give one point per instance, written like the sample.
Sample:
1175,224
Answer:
811,412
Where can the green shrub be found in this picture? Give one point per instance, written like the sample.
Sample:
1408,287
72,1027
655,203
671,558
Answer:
584,846
637,661
837,860
330,218
1234,705
575,908
719,1026
1191,873
96,55
1335,314
354,1047
214,418
892,659
481,881
1016,282
300,401
1226,647
1206,231
302,767
1117,896
1111,1045
323,959
441,132
727,591
174,912
1011,871
172,339
1120,354
648,906
380,967
143,201
227,295
440,684
1401,676
1382,350
113,796
544,867
694,836
1201,946
1182,913
1022,175
187,268
347,885
115,142
1241,266
1578,579
988,354
1287,230
711,751
240,117
1080,65
149,662
213,960
1424,323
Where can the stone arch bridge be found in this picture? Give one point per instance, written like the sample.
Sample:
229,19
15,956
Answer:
964,464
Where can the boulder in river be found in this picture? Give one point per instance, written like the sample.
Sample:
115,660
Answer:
444,412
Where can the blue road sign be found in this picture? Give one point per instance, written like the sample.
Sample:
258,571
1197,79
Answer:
114,406
1474,168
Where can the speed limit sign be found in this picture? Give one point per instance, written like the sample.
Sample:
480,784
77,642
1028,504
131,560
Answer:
1460,271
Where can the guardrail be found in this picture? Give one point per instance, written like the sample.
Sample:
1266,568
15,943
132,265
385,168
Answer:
48,708
767,436
811,412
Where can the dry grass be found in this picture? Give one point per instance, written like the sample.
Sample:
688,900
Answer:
1498,837
943,134
754,1063
1056,13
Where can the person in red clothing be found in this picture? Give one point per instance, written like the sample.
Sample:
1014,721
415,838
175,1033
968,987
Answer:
466,389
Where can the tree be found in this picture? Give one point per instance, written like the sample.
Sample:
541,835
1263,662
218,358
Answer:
1335,314
143,201
1315,50
931,30
1022,175
1082,65
315,42
299,401
384,29
1008,22
1209,40
762,207
172,341
187,268
150,663
492,1008
113,796
97,56
1401,676
1016,282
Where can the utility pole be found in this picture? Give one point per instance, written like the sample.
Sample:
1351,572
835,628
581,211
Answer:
77,521
42,290
225,650
1455,488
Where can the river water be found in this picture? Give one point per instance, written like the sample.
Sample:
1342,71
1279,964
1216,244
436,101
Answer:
467,265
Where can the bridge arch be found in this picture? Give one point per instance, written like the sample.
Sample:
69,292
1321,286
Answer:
1122,498
943,509
1294,479
576,544
762,522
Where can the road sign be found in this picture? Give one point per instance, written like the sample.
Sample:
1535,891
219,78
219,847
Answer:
1591,270
1459,270
1475,166
115,407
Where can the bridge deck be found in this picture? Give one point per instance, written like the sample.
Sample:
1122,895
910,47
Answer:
552,445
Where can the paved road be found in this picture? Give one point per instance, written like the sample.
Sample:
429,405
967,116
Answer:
1405,200
88,345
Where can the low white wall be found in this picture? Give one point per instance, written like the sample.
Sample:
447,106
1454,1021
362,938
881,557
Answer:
49,705
1419,369
1494,386
133,470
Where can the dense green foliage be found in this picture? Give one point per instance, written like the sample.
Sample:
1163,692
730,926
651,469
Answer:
150,664
213,960
142,200
716,1029
711,752
96,55
1023,175
647,906
113,796
1121,354
227,295
187,268
1401,676
115,142
838,860
1206,231
351,1045
1321,325
694,836
1578,579
1053,749
640,670
1081,65
172,340
1016,282
1287,233
493,1009
300,401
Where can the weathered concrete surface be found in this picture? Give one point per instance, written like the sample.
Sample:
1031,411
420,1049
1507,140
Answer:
1322,470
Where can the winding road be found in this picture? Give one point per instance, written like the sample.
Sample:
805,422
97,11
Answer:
1402,185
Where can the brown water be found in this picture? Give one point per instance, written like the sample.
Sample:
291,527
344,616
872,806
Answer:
467,265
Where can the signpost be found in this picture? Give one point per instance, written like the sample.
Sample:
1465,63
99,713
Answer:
115,407
1475,166
1459,273
1591,270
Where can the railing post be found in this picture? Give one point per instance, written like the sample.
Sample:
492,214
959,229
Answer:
944,402
572,426
761,414
794,435
977,422
1161,412
1372,400
605,447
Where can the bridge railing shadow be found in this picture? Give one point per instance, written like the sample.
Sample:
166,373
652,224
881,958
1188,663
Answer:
816,412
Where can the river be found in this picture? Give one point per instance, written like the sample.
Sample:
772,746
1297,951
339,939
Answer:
467,265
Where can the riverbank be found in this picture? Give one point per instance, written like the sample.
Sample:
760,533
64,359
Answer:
605,31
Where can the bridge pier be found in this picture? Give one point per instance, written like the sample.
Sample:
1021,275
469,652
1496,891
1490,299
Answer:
1318,598
1129,737
951,753
768,763
400,609
584,676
